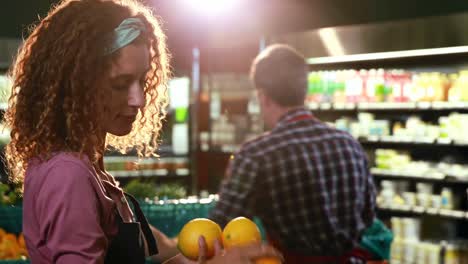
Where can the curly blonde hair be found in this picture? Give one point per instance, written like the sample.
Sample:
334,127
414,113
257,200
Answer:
56,102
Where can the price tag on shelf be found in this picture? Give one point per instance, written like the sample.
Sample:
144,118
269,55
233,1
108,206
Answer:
120,173
405,208
147,173
182,172
325,106
350,106
452,213
160,172
418,209
339,106
432,211
459,214
379,106
363,106
406,105
425,140
444,141
389,139
383,206
442,105
436,175
405,139
378,171
424,105
313,105
114,173
387,105
373,138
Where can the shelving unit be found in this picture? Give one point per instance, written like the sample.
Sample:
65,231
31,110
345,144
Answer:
434,149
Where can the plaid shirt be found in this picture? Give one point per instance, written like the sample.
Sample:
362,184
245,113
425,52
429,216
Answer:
309,184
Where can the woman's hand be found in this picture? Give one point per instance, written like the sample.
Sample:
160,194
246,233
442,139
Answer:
235,255
167,246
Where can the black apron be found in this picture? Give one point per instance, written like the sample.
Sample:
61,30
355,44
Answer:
127,246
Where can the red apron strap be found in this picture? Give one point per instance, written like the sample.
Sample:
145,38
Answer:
301,117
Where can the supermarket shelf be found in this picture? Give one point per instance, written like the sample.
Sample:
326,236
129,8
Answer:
389,106
390,141
418,177
183,172
421,211
221,149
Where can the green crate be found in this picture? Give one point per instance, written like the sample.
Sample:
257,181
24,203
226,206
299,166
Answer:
11,218
171,217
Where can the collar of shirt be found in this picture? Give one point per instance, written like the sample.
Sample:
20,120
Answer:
291,115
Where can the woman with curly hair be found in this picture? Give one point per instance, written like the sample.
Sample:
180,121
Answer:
92,75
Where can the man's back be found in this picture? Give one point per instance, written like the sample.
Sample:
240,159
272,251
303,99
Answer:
309,184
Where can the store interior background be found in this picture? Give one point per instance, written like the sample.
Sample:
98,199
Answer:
417,143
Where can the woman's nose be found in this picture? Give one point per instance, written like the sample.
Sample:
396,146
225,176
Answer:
136,96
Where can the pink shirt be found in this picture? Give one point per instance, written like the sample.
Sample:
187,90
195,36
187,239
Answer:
67,215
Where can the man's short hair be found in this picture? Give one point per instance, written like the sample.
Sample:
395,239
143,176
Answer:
281,73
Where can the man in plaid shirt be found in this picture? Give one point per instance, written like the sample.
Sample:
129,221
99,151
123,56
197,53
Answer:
308,182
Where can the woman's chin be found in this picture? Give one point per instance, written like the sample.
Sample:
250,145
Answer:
120,132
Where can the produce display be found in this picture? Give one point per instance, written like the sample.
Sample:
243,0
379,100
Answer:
148,189
12,247
10,194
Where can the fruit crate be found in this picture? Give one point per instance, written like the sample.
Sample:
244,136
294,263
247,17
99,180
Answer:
11,218
171,216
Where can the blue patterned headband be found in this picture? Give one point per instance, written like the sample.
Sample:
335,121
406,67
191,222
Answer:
125,33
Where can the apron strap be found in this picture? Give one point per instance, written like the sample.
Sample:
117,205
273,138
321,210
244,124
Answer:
152,246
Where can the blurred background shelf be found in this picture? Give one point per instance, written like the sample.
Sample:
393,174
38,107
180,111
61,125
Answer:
394,142
382,174
390,107
401,211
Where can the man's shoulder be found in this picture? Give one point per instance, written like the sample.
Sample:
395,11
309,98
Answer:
256,144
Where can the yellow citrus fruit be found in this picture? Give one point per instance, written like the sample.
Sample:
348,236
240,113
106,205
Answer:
21,241
240,231
267,260
190,233
10,237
